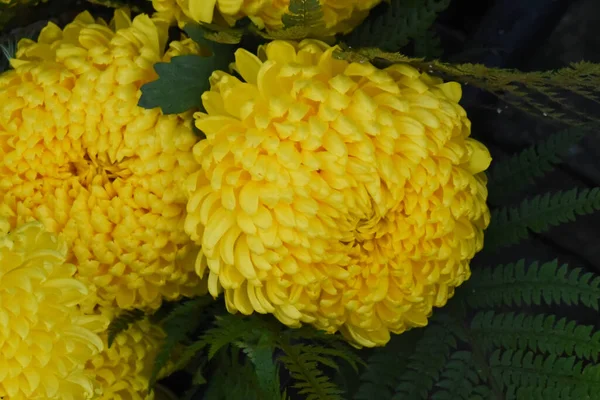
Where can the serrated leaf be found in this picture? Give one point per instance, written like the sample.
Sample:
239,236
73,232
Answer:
182,81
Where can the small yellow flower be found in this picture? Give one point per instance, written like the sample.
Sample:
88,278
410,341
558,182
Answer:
123,370
338,15
79,155
335,193
45,340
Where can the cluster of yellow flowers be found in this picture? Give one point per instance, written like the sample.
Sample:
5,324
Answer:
50,348
326,192
79,156
338,15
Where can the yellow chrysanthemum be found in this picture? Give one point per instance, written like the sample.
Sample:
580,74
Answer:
79,155
338,15
45,340
123,370
335,193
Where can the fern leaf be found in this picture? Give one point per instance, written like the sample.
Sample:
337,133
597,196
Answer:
304,13
122,322
385,367
510,177
304,19
302,362
229,329
426,363
538,333
333,345
267,372
528,373
538,214
397,24
514,284
178,324
460,381
428,45
234,379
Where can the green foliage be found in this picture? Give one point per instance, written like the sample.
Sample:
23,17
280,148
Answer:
427,45
538,376
396,25
122,322
182,81
428,359
304,19
303,13
539,333
510,225
511,177
459,380
263,346
183,319
518,285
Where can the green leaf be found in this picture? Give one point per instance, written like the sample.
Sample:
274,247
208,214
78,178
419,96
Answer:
180,84
538,214
182,81
304,19
304,13
178,324
393,27
267,372
510,178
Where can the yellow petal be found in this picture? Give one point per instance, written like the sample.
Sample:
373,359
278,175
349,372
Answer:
202,10
247,65
452,90
480,156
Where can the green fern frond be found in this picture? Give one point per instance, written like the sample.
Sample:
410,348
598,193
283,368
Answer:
459,380
333,345
304,19
538,333
229,329
235,378
538,214
302,361
122,322
427,361
385,367
428,45
510,177
305,13
526,372
266,370
396,26
183,319
550,284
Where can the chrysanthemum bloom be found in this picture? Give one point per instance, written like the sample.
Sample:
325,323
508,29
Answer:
123,370
79,155
45,340
335,193
339,16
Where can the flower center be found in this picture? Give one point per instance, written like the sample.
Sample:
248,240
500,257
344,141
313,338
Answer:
91,166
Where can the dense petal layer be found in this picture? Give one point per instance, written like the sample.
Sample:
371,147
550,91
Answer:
45,340
335,193
79,155
338,15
